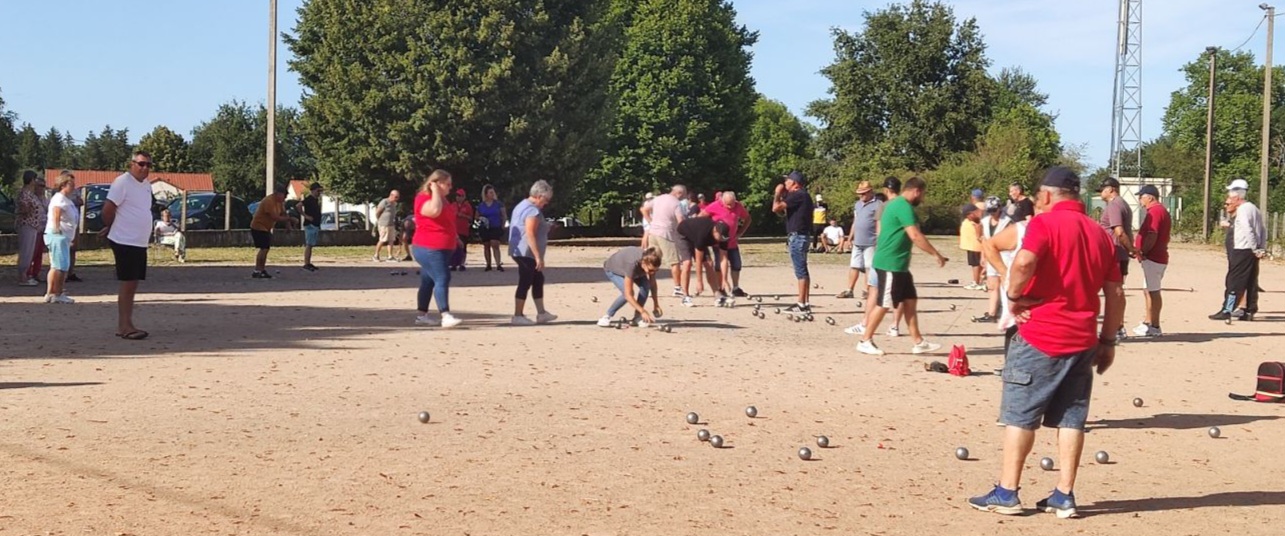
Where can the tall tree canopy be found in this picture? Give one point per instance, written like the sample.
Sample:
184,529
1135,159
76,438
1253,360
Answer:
168,150
8,146
778,143
232,146
910,88
684,102
502,91
107,150
30,154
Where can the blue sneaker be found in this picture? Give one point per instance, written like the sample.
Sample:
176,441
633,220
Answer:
999,500
1062,504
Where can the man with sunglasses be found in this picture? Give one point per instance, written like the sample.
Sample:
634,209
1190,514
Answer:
127,223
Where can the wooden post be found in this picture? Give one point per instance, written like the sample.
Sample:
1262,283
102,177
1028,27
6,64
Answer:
227,211
84,192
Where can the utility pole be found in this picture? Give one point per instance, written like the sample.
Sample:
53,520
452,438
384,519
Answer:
270,180
1209,137
1267,109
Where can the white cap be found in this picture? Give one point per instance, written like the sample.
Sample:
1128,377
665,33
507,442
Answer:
818,197
648,196
1238,184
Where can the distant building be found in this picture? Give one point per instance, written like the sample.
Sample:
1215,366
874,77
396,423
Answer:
165,185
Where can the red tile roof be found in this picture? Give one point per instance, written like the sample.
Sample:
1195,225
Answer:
192,182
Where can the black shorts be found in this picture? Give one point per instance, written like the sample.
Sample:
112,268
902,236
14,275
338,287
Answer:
974,258
262,239
894,288
490,234
131,262
1124,267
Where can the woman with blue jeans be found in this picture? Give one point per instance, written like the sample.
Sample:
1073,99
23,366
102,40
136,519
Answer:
630,268
528,240
433,245
60,232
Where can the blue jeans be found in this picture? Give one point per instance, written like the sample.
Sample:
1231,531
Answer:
799,254
1041,388
434,277
644,289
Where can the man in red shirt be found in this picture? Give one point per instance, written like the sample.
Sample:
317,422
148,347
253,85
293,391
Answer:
1153,253
1065,260
727,209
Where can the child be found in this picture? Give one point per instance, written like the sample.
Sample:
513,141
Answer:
629,268
970,240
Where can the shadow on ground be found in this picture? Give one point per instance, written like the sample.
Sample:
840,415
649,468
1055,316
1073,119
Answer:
1180,421
1163,504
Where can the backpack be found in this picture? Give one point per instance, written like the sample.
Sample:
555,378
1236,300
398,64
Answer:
1271,384
958,365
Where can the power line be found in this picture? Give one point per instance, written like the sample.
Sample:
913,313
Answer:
1251,36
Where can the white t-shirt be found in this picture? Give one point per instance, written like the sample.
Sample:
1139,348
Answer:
834,233
133,200
166,229
66,224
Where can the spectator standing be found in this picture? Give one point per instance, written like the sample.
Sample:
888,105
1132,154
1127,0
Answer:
666,214
386,224
433,245
1153,252
528,241
970,240
60,232
30,221
127,224
312,224
463,226
820,215
1020,207
492,214
1248,247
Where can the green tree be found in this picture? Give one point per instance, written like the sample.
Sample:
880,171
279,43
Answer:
55,148
30,155
778,143
684,103
226,146
107,150
168,149
503,91
8,146
909,89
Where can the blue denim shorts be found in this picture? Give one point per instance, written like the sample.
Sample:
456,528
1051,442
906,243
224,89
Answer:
311,233
59,247
1042,389
798,244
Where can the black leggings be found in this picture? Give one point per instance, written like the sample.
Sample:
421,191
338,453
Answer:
529,279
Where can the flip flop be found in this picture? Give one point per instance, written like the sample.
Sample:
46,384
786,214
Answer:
136,335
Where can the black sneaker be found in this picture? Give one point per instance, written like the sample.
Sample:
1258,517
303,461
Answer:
1220,315
985,318
499,267
799,308
74,278
1242,315
258,275
488,268
310,267
738,293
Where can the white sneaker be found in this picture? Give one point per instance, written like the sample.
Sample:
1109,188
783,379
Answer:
687,301
1141,330
924,347
519,320
1152,332
376,259
894,332
604,322
545,318
427,320
642,323
868,348
49,298
449,320
63,298
28,283
678,292
856,329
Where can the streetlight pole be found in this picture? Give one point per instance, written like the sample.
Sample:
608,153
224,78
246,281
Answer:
1209,137
270,180
1267,109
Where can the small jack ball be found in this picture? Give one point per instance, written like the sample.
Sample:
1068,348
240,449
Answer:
423,417
1214,432
751,412
1046,464
716,441
1137,402
823,442
1102,457
805,453
961,453
702,434
693,418
594,299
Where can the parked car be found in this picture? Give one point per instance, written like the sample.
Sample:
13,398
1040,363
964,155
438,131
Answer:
8,211
95,196
348,221
207,210
292,210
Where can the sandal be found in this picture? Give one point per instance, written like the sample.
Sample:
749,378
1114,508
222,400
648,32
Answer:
136,335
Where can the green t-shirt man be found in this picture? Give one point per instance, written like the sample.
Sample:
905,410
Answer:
892,254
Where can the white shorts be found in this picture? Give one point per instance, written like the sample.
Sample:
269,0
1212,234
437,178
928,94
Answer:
862,257
1154,274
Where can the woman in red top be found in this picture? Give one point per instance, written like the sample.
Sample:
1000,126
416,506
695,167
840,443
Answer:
433,245
463,225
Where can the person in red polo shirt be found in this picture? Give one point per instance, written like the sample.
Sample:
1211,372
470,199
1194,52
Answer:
1065,260
1153,253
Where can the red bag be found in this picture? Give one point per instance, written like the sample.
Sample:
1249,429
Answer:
958,365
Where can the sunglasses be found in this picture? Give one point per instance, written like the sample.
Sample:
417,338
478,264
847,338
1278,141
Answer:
142,164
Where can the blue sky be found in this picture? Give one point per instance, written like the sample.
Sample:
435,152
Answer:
82,64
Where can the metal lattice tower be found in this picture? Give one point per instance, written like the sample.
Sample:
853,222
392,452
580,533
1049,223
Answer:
1126,111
